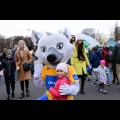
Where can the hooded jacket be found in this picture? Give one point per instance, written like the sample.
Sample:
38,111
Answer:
116,53
8,66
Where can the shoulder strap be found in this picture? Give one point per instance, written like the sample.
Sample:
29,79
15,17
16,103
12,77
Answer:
34,56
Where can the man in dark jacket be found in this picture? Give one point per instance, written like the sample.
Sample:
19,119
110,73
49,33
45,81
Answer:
116,57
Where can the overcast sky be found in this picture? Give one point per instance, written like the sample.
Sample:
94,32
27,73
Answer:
10,28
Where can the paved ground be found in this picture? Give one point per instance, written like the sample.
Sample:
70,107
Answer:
91,92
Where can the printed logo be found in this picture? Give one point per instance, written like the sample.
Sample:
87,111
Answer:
75,77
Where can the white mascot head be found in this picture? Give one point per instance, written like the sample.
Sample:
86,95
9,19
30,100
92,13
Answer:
53,49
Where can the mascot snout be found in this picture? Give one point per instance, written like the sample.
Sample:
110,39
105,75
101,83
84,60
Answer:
53,56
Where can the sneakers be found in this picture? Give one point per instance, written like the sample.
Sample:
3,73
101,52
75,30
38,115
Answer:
93,84
108,84
100,90
104,91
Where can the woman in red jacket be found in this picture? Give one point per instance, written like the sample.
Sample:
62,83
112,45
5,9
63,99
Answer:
62,71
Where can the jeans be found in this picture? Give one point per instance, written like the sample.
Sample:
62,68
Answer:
16,74
94,77
109,75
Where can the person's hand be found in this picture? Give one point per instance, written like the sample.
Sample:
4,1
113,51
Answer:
90,67
17,68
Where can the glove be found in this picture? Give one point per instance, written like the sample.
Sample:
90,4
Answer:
37,68
39,83
37,74
72,89
65,89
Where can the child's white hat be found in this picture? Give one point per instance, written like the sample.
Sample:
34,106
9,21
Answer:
63,67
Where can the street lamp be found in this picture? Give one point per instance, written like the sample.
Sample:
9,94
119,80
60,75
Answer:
28,36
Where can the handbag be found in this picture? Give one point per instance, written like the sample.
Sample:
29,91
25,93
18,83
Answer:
26,66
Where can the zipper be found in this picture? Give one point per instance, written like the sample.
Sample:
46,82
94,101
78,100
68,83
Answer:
9,67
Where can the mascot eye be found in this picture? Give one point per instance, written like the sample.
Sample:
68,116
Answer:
59,46
43,48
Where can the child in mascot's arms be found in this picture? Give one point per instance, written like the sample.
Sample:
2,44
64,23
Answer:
53,49
61,71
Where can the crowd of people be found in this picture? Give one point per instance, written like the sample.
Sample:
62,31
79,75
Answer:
97,64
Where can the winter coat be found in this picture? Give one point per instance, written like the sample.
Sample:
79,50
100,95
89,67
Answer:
2,56
104,54
27,57
8,65
95,59
79,64
55,91
102,74
116,54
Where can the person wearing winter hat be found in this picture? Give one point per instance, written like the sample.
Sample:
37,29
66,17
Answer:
62,70
102,76
8,66
79,61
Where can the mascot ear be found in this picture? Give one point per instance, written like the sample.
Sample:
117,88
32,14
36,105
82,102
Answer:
65,31
35,36
48,33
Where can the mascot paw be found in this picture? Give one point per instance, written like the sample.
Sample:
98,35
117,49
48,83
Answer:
65,89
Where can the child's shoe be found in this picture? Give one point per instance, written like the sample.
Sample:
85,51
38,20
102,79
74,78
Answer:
93,84
104,91
100,90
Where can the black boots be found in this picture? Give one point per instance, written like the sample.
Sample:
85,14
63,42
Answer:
22,94
8,98
27,93
82,91
12,94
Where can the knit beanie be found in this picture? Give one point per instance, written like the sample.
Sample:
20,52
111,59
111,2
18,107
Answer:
63,67
102,62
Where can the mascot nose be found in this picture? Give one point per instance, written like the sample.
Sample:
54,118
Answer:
51,58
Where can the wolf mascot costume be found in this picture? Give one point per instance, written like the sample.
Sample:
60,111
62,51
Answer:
53,49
